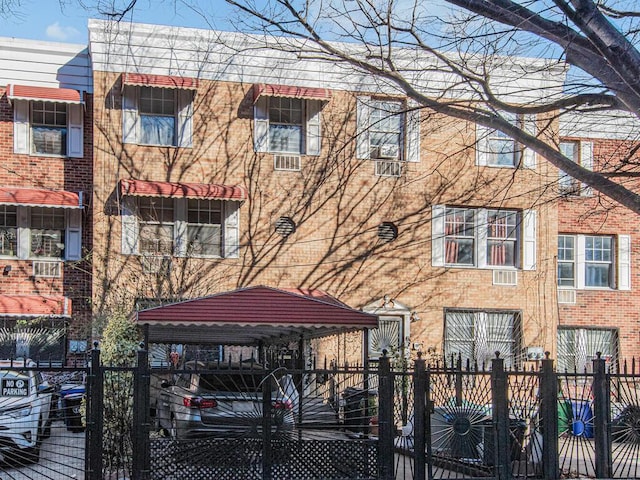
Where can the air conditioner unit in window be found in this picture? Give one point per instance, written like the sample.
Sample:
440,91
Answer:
389,150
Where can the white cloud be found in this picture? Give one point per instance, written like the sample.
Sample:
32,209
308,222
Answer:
57,32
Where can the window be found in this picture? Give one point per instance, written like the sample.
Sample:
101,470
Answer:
8,230
480,237
577,347
165,226
581,153
566,261
387,130
204,228
460,236
287,125
38,232
156,225
49,128
157,116
47,232
477,335
497,149
502,238
597,261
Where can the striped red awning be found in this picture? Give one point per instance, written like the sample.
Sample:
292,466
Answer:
34,306
182,190
260,89
47,94
39,197
162,81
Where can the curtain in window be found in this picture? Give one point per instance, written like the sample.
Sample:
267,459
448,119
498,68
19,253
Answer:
497,249
454,225
157,130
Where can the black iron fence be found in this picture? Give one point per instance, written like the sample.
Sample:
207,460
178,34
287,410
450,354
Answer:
390,421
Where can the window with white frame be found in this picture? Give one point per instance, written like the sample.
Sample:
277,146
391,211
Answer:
157,116
579,152
156,223
497,149
47,232
502,238
287,125
578,346
8,230
594,261
48,128
566,261
476,336
39,232
204,227
481,237
387,130
165,226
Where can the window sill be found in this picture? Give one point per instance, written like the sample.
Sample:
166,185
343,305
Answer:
510,167
48,155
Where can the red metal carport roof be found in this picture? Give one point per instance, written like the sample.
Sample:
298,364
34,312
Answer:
252,315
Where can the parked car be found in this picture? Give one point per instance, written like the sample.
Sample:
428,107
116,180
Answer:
217,400
25,411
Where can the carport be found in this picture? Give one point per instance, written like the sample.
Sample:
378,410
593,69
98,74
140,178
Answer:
257,316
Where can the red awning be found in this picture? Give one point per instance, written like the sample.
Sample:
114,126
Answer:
260,89
34,306
253,315
47,94
39,197
162,81
181,190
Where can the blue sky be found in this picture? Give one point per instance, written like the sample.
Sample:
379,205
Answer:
65,21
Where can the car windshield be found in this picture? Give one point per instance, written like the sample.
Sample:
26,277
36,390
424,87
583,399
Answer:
231,382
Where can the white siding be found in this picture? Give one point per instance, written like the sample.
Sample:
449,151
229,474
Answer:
235,57
45,64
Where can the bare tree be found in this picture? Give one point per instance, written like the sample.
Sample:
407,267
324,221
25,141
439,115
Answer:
595,40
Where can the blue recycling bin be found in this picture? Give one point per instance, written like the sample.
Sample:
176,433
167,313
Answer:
71,396
582,421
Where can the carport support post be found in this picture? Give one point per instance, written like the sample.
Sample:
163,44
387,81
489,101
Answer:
266,428
95,407
601,418
386,424
549,419
500,419
419,423
141,414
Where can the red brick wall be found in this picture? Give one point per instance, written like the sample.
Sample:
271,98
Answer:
597,215
72,174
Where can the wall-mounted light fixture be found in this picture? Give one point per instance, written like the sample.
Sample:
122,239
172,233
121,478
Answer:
6,270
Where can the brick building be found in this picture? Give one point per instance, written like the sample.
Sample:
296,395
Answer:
45,193
227,164
597,245
212,163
